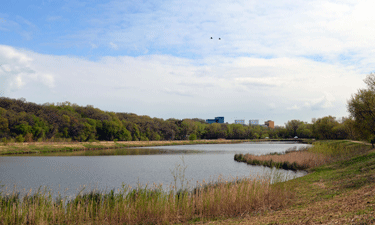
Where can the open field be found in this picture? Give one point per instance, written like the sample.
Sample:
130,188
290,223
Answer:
41,147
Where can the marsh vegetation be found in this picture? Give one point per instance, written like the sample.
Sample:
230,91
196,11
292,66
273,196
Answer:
306,157
149,204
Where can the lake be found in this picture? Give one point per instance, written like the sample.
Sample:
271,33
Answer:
109,169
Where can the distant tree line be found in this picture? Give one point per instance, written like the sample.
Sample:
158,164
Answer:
25,121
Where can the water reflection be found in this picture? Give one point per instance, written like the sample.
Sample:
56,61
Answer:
112,152
109,169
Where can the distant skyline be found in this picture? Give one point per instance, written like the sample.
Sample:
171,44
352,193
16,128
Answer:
279,60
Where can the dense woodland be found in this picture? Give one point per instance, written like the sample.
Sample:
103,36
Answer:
25,121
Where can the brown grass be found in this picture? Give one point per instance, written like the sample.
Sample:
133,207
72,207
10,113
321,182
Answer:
303,158
145,206
37,147
319,154
339,193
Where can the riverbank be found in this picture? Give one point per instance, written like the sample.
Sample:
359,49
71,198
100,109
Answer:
342,192
46,147
321,152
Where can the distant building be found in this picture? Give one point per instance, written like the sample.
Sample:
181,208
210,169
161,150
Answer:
254,122
270,124
216,120
239,122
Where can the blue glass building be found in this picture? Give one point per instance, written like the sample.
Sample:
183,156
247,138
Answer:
216,120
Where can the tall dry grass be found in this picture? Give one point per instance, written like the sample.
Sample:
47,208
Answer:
303,159
145,205
308,157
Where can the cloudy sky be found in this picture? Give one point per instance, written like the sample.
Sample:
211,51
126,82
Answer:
277,60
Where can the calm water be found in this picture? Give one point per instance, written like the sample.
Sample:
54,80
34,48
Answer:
146,165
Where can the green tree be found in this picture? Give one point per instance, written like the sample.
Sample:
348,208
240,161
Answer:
20,138
292,127
361,107
305,131
23,128
238,131
323,128
4,127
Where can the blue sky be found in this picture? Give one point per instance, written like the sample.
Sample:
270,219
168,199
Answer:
279,60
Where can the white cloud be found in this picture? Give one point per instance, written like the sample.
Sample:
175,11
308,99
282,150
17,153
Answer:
325,101
48,80
294,107
167,86
276,29
272,105
17,81
113,45
18,70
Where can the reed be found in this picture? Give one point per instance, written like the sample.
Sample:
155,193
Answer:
147,205
304,158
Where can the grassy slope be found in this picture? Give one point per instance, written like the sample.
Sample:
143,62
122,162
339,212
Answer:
339,193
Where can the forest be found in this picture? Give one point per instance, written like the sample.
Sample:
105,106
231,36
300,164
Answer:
22,121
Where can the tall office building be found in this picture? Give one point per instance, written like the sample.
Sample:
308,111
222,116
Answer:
254,122
239,122
270,123
219,119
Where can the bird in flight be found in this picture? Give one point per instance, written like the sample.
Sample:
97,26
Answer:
219,38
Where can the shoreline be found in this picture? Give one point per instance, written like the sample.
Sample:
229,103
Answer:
47,147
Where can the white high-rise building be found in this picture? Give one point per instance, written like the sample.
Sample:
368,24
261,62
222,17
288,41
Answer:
239,122
254,122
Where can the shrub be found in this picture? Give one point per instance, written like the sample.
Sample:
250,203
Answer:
29,137
4,140
20,138
192,137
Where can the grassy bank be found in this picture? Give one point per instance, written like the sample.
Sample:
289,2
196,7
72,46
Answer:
341,192
320,153
44,147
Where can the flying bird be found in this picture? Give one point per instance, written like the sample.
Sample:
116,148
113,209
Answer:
211,37
219,38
